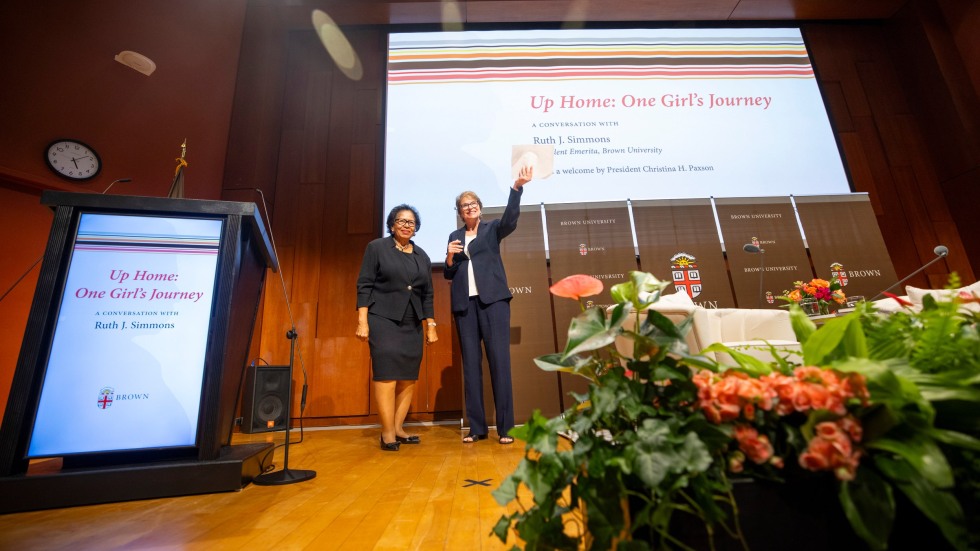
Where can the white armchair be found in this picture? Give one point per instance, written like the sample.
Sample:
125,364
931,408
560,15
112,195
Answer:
747,330
915,296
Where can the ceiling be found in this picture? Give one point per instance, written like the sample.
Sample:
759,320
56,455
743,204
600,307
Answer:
359,12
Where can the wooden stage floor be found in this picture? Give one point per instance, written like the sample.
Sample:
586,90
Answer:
422,497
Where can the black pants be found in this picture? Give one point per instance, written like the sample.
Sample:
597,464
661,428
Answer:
489,323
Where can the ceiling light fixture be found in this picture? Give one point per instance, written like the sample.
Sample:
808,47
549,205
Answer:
337,46
136,61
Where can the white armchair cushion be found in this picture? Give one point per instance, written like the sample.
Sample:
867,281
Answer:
748,324
748,330
916,295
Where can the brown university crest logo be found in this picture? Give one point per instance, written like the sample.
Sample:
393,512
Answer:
105,397
837,270
685,273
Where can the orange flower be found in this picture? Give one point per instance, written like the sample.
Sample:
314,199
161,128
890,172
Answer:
756,446
576,287
724,397
815,388
831,449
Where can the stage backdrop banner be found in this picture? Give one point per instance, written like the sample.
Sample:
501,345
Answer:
678,241
845,241
594,239
531,331
768,223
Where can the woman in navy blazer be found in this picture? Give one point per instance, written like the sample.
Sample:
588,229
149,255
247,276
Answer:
480,300
394,298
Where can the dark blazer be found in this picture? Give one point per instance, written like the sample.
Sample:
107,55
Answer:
491,280
386,287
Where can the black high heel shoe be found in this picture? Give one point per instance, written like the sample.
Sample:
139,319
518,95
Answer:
413,439
389,446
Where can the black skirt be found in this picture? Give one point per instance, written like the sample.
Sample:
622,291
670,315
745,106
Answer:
396,347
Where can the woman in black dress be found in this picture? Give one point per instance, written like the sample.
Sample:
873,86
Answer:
394,305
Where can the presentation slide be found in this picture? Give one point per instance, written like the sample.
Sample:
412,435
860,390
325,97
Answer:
602,115
127,357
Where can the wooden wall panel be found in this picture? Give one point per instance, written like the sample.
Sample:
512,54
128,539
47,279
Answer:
891,144
362,201
255,132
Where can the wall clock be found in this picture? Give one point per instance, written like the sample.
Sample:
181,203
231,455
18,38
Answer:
73,159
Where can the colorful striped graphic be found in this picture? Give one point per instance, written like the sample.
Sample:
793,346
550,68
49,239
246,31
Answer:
622,59
116,242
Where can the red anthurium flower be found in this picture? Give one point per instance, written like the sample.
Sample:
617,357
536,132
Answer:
898,299
967,297
577,286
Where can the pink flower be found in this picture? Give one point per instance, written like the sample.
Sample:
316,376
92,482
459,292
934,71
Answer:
756,446
816,388
576,287
724,398
832,449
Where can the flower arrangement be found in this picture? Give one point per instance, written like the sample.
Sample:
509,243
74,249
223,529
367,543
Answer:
825,294
887,409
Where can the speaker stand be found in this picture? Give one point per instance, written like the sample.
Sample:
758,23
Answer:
286,475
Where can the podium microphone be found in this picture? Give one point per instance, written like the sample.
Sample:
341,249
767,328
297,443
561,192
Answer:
755,249
941,251
114,182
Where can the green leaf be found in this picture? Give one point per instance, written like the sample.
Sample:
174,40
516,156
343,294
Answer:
587,332
937,505
802,325
957,439
855,343
750,364
641,284
922,454
557,362
869,505
836,339
502,528
948,393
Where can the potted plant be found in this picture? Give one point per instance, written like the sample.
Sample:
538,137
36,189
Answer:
663,436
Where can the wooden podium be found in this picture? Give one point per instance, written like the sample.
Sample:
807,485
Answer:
48,410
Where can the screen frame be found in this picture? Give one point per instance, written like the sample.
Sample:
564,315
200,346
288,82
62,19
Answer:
438,259
126,455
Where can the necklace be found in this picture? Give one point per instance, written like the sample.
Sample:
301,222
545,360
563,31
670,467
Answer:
405,249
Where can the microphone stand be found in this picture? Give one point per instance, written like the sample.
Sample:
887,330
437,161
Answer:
286,475
904,279
762,264
755,249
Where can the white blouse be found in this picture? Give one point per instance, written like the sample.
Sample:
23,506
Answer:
469,268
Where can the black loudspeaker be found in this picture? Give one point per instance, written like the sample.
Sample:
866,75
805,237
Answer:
265,398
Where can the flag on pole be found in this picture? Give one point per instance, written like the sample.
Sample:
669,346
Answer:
177,187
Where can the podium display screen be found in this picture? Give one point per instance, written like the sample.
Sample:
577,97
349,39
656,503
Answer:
602,115
126,364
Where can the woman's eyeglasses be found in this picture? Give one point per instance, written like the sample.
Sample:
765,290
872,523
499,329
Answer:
402,223
470,205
